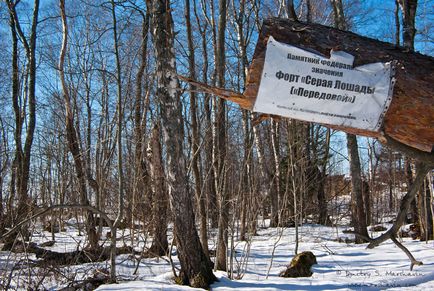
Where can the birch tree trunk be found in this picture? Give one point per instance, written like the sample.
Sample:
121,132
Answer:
358,212
195,266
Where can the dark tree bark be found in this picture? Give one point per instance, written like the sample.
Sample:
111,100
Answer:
390,178
321,179
200,197
408,8
222,235
359,216
338,13
397,24
425,214
196,268
291,10
71,135
275,193
367,201
140,115
159,246
23,153
358,209
413,211
209,180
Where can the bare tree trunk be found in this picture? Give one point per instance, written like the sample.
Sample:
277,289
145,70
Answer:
200,197
245,187
120,206
322,199
71,135
209,180
408,8
367,201
338,12
4,161
23,154
426,217
308,11
222,236
397,23
195,266
358,213
159,245
276,180
291,10
390,180
359,216
413,211
139,126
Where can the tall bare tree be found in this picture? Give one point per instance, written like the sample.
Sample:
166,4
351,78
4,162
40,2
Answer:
200,196
408,8
220,150
22,157
71,133
358,212
195,266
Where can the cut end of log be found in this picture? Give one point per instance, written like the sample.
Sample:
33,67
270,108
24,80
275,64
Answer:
410,117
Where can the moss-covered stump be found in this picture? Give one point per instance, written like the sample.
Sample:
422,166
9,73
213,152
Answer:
300,266
198,281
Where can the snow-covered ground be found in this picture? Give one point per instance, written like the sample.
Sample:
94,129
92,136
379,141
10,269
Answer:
341,266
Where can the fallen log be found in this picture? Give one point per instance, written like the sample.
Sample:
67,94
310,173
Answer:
410,118
408,125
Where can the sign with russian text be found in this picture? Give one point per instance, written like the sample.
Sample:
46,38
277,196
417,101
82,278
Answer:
303,85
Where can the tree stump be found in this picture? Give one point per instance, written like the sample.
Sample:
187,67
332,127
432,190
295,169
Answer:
300,266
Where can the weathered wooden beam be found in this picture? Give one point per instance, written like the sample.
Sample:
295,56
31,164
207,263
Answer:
410,118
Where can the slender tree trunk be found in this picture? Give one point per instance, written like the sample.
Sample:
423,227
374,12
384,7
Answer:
195,266
338,13
209,180
71,135
359,217
414,212
276,180
408,8
159,245
322,199
120,196
290,10
426,217
200,197
222,236
421,171
139,164
397,24
23,154
356,189
308,11
390,180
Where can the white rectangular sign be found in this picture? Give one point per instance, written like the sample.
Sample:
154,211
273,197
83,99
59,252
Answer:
302,85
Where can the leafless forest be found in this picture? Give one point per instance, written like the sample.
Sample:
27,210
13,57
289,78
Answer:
98,130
